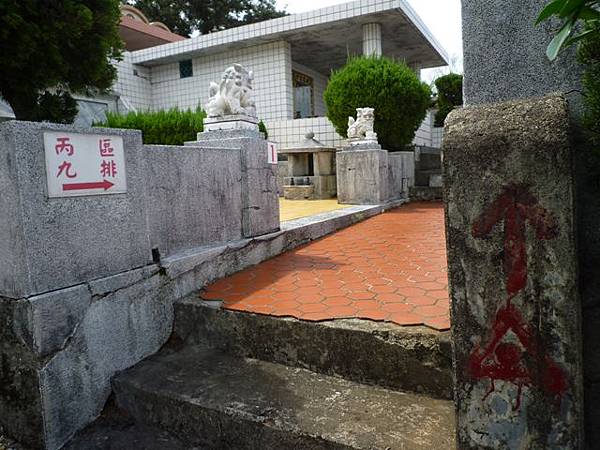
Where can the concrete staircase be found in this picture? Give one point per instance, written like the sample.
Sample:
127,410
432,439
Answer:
232,380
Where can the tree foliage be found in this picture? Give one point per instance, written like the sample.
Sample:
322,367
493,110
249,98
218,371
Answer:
580,24
400,99
49,49
571,12
172,127
450,95
186,16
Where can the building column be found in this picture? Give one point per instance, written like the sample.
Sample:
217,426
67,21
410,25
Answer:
372,39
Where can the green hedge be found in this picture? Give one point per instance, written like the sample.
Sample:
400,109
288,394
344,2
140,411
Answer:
400,99
172,127
450,95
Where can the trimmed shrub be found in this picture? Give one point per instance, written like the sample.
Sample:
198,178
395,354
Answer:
399,98
450,95
172,127
263,129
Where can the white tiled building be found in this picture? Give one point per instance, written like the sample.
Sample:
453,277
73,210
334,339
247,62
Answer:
291,57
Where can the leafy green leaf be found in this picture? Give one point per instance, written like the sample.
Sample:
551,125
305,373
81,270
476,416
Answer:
570,7
557,43
578,38
589,13
550,10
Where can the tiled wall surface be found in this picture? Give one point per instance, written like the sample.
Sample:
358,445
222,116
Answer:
423,134
290,132
437,134
161,87
271,64
133,83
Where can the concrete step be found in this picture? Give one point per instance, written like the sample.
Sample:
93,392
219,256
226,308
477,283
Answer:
415,359
123,434
221,402
425,193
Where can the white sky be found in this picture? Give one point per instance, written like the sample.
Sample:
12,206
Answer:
442,17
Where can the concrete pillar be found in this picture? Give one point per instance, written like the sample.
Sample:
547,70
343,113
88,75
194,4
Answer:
490,47
260,203
362,176
323,163
513,276
372,39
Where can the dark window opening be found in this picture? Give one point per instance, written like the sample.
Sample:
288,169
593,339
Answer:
186,69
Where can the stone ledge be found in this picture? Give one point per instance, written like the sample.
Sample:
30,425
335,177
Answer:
416,359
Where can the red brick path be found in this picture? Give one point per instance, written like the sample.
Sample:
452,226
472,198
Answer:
391,267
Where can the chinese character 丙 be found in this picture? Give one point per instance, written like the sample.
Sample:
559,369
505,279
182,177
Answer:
108,168
66,167
105,148
63,145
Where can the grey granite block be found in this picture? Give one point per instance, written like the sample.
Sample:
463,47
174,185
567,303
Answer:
60,242
194,195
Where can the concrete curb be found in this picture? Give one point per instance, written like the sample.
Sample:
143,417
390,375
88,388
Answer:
247,252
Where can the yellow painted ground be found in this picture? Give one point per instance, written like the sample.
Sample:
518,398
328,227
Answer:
294,209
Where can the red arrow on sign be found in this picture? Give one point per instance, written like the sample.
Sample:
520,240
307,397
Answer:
104,184
517,207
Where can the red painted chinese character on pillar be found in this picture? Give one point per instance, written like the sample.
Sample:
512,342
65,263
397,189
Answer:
519,359
105,148
517,208
66,167
63,145
108,168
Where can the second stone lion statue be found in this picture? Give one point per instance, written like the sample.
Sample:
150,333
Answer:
362,127
233,94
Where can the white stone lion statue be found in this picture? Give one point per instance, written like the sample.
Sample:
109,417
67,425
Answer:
233,94
362,127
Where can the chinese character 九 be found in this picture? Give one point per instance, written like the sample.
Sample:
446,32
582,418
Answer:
66,168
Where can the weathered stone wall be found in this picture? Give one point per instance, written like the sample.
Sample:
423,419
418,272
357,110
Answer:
47,241
282,172
260,205
401,171
80,298
194,196
504,58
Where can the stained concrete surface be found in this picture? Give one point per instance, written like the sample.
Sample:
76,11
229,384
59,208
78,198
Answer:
224,402
122,433
416,359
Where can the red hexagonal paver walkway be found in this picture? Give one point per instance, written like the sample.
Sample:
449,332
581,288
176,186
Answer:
391,267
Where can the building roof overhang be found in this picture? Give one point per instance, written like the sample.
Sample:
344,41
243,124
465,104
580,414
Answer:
139,35
321,39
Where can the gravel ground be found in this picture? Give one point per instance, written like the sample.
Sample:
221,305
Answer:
8,444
